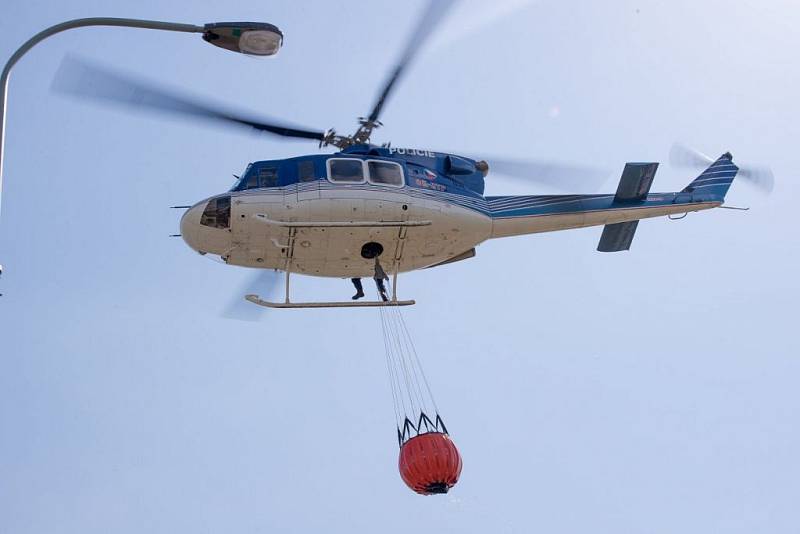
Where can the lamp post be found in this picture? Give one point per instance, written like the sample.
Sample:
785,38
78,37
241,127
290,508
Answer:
251,38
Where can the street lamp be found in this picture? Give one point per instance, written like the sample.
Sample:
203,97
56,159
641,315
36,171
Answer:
256,38
250,38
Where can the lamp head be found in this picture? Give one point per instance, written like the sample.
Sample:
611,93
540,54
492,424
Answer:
251,38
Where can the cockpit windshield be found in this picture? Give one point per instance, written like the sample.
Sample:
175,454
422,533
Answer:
239,183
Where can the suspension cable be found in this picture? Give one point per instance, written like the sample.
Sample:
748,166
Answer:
407,355
419,364
412,396
390,368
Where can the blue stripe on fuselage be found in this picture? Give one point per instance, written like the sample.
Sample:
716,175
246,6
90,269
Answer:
500,207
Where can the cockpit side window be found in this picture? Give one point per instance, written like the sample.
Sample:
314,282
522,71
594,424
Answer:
349,170
217,213
268,177
385,173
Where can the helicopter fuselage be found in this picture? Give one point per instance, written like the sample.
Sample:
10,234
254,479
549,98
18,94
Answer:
339,202
314,215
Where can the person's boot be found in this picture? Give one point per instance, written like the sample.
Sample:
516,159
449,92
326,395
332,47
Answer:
359,288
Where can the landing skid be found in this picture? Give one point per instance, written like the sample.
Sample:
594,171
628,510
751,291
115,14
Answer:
345,304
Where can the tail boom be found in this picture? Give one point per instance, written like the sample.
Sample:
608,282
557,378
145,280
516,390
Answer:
584,214
519,215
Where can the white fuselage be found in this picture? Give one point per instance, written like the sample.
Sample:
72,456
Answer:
253,239
336,251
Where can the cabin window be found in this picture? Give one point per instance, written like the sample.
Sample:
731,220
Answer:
217,213
305,171
268,177
385,173
346,170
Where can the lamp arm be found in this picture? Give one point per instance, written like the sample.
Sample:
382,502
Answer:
68,25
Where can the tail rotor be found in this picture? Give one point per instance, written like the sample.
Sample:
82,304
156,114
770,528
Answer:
760,177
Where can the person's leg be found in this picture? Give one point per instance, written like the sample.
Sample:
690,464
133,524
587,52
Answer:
359,288
381,289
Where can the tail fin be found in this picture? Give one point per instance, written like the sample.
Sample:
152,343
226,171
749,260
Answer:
715,180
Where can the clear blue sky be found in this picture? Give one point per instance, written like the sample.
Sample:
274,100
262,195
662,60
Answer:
653,391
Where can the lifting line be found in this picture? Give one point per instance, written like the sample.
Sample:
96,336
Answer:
412,397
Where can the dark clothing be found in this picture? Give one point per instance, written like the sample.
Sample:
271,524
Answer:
380,276
359,288
381,289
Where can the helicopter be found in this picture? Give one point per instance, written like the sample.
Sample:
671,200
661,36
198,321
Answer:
338,214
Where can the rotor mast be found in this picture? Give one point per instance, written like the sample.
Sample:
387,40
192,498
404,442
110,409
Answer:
361,137
432,16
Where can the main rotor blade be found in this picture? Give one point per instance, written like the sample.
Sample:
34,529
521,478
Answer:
264,284
80,79
563,176
434,13
758,176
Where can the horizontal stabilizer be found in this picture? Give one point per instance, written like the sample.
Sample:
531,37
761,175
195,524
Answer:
635,182
463,256
617,237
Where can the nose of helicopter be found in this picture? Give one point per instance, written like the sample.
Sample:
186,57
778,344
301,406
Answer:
190,226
